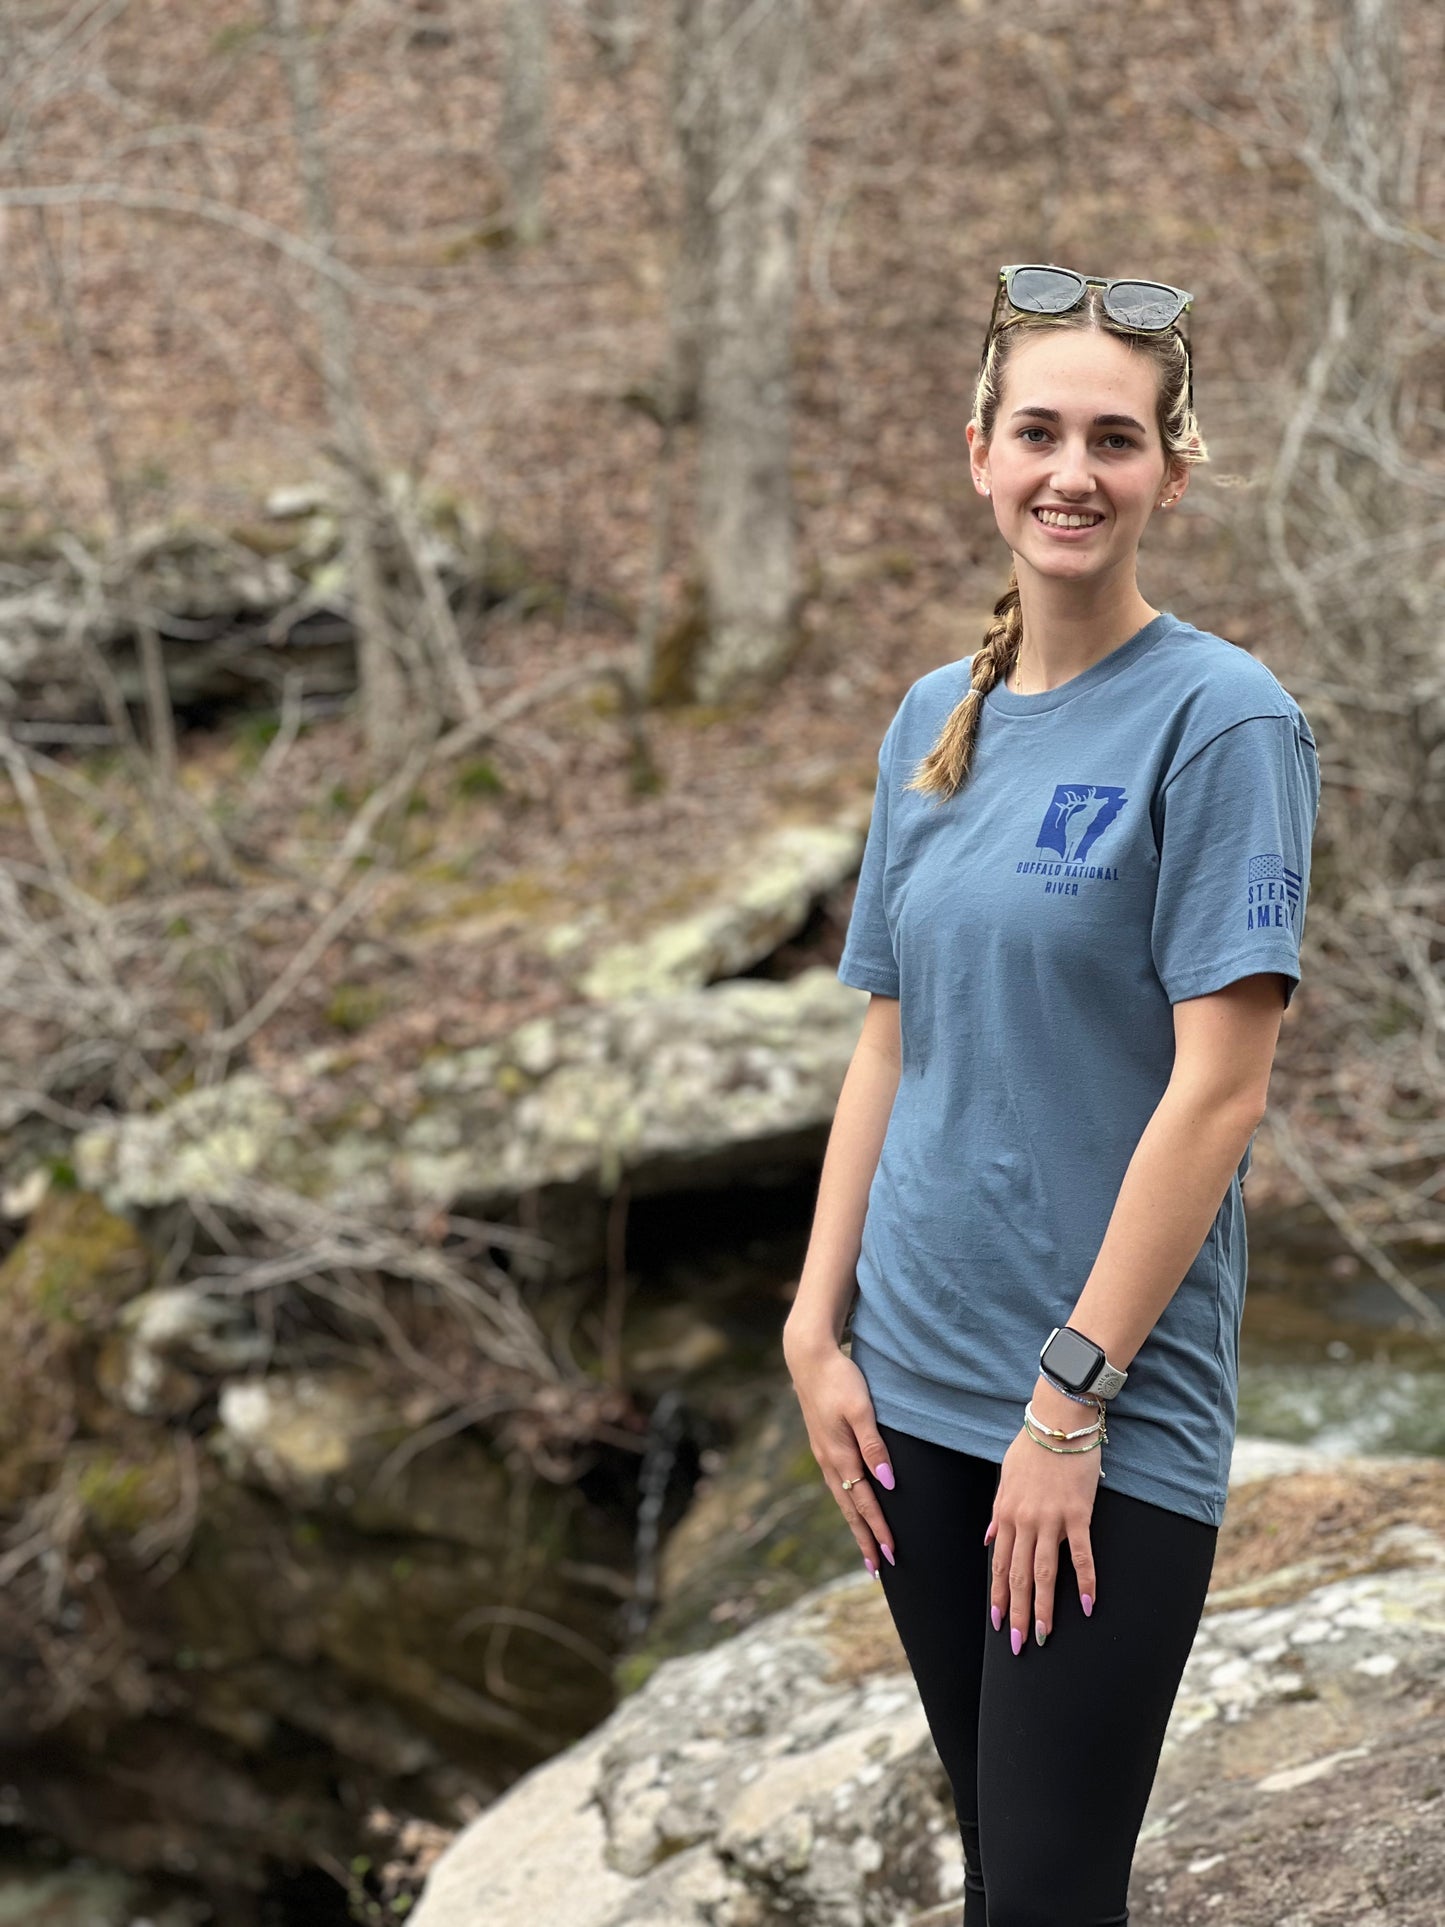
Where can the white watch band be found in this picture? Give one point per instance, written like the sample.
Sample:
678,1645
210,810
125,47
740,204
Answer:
1109,1381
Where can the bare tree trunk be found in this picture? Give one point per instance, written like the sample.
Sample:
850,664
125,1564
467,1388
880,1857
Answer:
525,133
750,58
382,682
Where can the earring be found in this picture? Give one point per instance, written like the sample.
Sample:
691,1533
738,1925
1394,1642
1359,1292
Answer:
1165,501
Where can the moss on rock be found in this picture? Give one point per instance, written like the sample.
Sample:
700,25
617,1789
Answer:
76,1264
61,1291
123,1492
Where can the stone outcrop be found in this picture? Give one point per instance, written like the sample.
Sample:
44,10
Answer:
694,1089
238,611
777,882
789,1773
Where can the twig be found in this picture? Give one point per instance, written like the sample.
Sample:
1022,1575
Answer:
330,927
1426,1314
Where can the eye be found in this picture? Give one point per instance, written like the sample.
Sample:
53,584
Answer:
1120,441
1024,434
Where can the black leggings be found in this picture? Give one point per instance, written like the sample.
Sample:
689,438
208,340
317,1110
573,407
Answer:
1052,1753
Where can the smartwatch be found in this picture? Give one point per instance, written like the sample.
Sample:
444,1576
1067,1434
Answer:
1079,1364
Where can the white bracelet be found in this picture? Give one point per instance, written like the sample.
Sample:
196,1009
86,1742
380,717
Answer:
1034,1419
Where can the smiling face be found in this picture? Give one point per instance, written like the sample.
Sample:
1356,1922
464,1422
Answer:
1076,466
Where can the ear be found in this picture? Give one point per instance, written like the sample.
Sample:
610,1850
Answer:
1176,481
978,457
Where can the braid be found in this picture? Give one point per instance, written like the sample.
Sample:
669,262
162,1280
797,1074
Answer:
945,766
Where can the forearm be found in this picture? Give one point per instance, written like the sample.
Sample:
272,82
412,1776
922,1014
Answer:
829,1276
1167,1201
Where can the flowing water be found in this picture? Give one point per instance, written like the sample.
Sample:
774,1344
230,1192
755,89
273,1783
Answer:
1328,1359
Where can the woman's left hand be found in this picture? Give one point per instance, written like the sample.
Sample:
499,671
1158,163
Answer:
1044,1499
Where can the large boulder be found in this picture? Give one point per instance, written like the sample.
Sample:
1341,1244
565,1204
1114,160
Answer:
788,1773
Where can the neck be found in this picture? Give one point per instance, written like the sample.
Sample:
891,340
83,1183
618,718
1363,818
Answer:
1068,626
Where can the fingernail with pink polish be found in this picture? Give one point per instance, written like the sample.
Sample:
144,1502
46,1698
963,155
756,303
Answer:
1087,1602
888,1555
997,1618
1016,1640
884,1475
872,1569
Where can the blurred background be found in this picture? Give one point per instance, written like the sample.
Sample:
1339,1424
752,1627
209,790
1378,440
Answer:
476,479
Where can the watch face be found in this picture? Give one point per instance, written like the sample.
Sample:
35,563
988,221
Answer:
1073,1359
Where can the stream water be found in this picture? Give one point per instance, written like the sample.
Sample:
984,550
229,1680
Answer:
1327,1359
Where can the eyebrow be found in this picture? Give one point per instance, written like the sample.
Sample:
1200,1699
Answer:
1100,421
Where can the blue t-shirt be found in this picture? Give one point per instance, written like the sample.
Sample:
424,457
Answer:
1136,836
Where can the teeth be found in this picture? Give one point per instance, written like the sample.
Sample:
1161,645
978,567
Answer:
1052,519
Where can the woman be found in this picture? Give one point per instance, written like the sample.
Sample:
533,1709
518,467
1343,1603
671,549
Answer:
1078,914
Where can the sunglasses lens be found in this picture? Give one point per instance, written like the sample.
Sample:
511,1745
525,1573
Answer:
1144,304
1044,290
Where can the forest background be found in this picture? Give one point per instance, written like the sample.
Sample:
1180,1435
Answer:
615,357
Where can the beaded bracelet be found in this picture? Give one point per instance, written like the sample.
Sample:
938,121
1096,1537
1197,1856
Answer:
1065,1451
1079,1398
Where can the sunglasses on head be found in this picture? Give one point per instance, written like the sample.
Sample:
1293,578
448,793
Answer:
1144,307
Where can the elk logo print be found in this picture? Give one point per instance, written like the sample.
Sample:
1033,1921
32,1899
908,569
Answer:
1076,818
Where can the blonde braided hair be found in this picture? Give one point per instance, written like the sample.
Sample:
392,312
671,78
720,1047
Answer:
944,769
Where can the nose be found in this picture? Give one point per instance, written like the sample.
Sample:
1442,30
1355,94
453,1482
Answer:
1072,474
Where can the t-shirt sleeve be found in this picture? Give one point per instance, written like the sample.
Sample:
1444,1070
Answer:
1234,826
869,961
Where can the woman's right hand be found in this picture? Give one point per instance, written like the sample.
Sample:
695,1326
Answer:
843,1434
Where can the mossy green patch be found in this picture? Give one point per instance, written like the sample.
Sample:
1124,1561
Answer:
479,778
520,895
633,1671
352,1007
236,38
122,1496
61,1289
77,1261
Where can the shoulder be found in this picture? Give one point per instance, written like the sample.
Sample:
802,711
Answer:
1207,685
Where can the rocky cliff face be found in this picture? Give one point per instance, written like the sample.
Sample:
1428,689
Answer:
789,1772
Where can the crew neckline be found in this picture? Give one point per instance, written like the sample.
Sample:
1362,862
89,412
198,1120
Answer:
1008,702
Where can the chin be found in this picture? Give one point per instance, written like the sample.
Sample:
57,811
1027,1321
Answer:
1067,568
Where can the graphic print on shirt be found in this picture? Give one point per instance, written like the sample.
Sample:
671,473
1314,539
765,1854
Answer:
1272,896
1076,818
